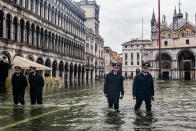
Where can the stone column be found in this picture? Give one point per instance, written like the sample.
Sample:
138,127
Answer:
46,13
38,8
23,3
29,4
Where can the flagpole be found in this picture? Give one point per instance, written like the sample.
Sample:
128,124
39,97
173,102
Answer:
159,27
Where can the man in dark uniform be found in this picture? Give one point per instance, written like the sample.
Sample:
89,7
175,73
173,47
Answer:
143,88
113,87
36,82
19,83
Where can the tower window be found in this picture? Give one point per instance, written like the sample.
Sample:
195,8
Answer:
165,43
187,42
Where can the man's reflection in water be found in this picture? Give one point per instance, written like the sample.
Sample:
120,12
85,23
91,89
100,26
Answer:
18,113
143,120
36,111
114,118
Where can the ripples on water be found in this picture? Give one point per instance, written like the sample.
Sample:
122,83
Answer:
84,107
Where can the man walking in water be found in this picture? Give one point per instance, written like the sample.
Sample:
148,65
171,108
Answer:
113,87
143,88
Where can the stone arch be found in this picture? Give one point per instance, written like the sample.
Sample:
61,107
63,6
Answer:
5,65
186,64
61,68
40,60
166,64
30,57
48,64
54,68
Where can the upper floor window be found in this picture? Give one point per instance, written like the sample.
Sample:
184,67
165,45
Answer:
138,56
125,56
187,42
166,43
125,46
131,56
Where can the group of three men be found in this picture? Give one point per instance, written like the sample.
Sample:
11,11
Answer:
143,88
19,83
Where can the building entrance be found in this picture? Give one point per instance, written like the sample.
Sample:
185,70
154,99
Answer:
187,76
165,75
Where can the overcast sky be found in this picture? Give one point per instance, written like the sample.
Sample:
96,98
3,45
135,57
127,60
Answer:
121,20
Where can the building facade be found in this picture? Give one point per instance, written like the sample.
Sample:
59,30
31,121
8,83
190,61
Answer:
49,32
107,60
94,42
132,56
178,48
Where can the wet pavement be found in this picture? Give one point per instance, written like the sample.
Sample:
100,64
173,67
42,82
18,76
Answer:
82,107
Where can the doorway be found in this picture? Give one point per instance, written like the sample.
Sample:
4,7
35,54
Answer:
3,74
187,76
165,75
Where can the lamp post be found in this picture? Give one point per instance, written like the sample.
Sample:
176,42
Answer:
159,28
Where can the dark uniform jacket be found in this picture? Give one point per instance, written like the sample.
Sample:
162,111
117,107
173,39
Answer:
36,84
113,85
19,83
143,86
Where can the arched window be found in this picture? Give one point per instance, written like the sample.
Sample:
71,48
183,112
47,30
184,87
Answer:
165,43
187,41
37,36
22,30
28,31
1,23
32,34
15,29
8,26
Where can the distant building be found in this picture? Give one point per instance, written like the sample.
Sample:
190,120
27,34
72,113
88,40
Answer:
94,42
107,60
178,48
132,58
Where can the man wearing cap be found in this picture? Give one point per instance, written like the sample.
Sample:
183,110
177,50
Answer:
36,82
113,87
143,88
19,83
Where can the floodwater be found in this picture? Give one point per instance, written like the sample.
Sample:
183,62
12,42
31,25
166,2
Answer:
82,107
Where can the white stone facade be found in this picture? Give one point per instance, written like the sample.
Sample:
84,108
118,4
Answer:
49,32
132,57
95,43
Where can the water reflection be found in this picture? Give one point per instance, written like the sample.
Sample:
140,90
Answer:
114,118
82,106
18,113
36,111
143,120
